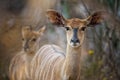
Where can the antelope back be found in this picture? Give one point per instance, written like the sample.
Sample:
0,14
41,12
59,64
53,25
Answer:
47,63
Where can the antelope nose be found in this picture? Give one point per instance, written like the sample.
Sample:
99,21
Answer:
26,47
75,40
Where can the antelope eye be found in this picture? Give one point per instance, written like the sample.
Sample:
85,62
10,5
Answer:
34,39
67,28
83,28
23,39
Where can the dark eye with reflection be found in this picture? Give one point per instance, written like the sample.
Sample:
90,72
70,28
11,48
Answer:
34,39
23,39
67,28
83,28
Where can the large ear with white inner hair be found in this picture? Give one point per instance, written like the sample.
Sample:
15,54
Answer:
55,18
42,30
96,18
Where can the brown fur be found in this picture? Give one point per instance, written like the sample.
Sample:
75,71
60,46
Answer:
49,64
19,66
46,63
58,19
96,18
75,22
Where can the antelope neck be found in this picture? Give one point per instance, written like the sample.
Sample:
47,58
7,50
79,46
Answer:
72,63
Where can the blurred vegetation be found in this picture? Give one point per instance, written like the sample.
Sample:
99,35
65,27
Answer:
102,44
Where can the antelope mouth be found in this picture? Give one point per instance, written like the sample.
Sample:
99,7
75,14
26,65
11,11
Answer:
75,44
26,49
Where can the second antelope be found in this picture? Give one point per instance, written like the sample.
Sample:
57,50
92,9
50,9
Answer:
20,65
50,63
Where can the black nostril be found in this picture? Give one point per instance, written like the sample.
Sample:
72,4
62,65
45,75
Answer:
72,40
75,40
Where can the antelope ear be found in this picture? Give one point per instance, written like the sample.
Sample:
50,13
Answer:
42,30
55,17
96,18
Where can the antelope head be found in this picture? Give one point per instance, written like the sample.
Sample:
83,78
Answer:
75,27
30,37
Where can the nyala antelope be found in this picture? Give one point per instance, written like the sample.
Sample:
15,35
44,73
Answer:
50,63
19,66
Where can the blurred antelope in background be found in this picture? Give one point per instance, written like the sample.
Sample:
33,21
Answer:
19,66
50,62
12,15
